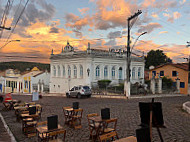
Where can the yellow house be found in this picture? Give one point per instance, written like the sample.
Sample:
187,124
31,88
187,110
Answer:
173,71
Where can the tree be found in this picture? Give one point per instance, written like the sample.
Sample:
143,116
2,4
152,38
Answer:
155,58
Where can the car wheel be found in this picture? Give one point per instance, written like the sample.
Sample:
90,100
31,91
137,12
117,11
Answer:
79,96
89,96
67,95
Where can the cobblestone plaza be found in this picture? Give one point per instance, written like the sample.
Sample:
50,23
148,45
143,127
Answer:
176,120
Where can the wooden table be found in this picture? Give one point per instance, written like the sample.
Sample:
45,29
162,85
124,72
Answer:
127,139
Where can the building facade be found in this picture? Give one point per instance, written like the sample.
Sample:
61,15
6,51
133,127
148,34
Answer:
173,71
71,68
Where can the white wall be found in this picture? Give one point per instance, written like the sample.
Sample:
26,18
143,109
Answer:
61,84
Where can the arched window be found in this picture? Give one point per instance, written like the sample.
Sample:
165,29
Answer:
69,71
81,71
120,73
63,71
59,71
75,71
133,72
106,71
54,71
139,72
113,72
97,71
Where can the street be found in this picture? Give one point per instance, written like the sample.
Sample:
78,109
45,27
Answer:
176,120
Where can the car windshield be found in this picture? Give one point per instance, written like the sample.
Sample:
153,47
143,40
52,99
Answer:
86,87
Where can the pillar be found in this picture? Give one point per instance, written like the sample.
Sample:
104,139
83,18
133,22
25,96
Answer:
178,85
39,86
42,87
160,85
152,85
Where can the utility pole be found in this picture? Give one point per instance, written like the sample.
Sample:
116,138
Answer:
5,28
188,45
127,81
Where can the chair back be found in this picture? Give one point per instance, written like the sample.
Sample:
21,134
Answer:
78,112
91,115
112,123
55,134
108,136
105,113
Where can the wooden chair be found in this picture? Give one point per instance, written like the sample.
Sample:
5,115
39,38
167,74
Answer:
29,127
76,118
53,136
43,136
6,106
66,115
110,126
92,126
39,111
108,137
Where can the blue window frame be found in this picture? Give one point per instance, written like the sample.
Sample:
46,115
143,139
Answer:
161,73
182,84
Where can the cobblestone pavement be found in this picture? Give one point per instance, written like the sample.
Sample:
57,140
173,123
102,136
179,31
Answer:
4,136
176,120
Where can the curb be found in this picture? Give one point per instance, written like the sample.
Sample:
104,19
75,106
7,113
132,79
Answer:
7,128
186,106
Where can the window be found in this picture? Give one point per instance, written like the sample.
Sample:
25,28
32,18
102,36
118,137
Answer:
69,71
174,73
133,72
75,71
97,71
105,71
120,73
182,84
59,71
81,71
161,73
139,72
63,71
153,73
113,72
54,71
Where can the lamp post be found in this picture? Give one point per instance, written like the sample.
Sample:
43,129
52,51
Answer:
127,80
9,42
137,40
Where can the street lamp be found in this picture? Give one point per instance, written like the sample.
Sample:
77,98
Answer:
9,42
137,40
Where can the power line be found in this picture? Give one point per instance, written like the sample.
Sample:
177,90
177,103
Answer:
17,20
5,14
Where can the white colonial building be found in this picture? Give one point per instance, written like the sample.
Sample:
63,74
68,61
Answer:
71,68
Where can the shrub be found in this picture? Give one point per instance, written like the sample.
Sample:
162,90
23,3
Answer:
103,83
167,82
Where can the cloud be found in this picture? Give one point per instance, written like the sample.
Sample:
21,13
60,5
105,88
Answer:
171,17
54,30
147,3
83,10
113,35
155,16
163,32
149,28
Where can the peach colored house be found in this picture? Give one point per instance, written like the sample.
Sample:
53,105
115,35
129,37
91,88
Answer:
173,71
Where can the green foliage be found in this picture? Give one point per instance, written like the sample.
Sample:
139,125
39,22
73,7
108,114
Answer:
23,66
103,83
120,87
155,58
168,82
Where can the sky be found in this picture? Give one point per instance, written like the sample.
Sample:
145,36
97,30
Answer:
49,24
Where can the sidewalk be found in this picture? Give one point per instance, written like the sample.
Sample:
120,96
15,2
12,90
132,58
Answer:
5,133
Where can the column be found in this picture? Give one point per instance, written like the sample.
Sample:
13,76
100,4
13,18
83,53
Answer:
42,86
38,86
152,85
160,85
178,85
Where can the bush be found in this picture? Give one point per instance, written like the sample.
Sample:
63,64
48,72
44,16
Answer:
167,82
103,83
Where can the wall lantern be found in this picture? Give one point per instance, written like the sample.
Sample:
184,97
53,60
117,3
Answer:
88,71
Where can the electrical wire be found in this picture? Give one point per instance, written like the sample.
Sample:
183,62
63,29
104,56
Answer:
17,20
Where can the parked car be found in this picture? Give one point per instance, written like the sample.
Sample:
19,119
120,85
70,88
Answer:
79,91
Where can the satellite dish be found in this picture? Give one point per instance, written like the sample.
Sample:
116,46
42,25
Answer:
151,67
